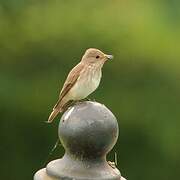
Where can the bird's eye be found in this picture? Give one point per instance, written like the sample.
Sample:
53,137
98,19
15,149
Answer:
97,57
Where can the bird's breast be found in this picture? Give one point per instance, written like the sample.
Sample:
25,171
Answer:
87,82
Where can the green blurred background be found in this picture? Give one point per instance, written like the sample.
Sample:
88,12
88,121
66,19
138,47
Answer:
40,41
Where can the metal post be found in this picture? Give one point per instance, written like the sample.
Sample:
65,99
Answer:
87,131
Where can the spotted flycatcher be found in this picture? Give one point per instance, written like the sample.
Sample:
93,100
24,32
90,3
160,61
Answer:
82,80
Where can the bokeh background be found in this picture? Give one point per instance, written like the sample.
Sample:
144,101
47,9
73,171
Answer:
40,41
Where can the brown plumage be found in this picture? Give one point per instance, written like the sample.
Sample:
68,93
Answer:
82,80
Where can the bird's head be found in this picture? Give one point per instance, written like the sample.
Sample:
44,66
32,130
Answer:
95,56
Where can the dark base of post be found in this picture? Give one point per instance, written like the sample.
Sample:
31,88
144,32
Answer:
68,169
42,175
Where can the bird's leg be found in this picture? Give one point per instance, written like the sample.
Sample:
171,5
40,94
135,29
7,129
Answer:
68,104
87,99
78,101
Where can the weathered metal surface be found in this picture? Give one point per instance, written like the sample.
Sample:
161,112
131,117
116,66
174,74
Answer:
88,131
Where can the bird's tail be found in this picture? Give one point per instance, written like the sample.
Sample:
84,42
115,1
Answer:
53,114
59,107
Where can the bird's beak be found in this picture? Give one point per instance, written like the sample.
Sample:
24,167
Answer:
109,56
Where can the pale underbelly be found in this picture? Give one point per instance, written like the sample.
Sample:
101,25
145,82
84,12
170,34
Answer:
83,88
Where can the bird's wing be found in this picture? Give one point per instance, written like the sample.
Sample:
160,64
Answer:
70,81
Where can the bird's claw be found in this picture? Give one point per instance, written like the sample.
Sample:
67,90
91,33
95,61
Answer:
88,99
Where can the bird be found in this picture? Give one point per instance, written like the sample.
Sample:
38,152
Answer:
81,81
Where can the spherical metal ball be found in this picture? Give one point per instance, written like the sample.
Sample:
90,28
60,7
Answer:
88,129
